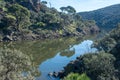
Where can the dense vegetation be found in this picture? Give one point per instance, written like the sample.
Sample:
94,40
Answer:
106,18
104,65
111,43
32,19
12,65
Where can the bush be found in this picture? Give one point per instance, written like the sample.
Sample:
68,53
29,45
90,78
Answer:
101,64
75,76
94,65
12,64
22,15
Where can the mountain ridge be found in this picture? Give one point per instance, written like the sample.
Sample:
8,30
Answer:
106,18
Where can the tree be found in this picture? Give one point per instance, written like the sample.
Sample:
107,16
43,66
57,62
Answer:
44,2
63,9
68,9
22,15
71,10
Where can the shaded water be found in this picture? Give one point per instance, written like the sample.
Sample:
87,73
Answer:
52,55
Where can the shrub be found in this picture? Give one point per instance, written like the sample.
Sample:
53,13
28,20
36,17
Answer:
12,64
75,76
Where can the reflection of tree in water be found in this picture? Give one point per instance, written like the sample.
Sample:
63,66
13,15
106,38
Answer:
13,63
44,49
38,52
67,53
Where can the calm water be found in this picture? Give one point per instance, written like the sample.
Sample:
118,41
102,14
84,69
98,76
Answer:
57,62
52,55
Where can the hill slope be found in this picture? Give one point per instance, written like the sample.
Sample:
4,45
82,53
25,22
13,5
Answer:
106,18
30,19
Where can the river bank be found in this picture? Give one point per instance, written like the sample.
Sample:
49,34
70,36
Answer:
19,36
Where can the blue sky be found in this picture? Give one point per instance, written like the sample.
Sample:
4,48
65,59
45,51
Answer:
82,5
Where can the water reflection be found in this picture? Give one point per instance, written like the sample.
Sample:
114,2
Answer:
59,61
50,55
40,51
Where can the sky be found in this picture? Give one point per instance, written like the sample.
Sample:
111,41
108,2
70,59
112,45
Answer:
82,5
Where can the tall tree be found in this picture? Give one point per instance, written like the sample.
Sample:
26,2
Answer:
68,9
71,10
63,9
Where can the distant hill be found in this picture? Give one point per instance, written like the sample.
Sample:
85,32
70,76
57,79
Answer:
106,18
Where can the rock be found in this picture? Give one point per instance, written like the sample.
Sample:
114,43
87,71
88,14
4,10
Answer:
54,74
7,38
61,74
50,74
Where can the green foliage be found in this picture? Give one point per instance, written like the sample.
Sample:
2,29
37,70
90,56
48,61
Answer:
40,24
40,20
11,17
12,64
109,41
22,15
49,18
68,9
63,9
2,4
7,22
44,2
111,44
75,76
99,66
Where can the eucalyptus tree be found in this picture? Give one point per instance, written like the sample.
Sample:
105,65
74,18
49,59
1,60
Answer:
44,2
71,10
63,9
68,9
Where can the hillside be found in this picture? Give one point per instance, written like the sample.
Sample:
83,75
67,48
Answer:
30,19
106,18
